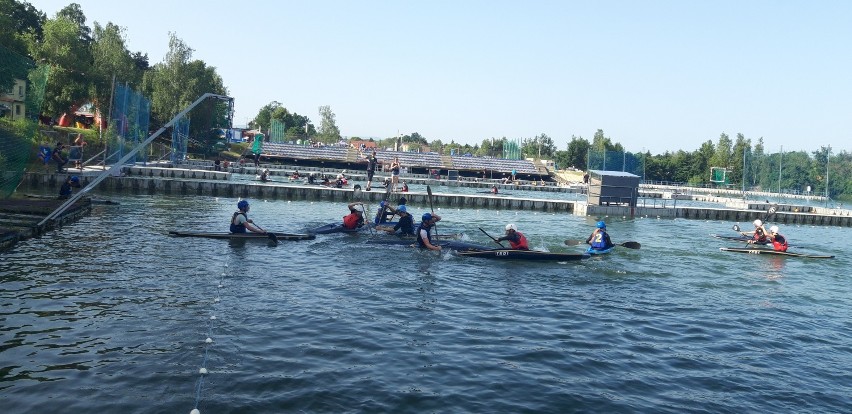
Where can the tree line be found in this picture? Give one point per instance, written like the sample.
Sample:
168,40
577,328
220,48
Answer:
86,61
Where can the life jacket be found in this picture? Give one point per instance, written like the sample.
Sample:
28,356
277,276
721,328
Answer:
779,243
352,220
759,235
428,234
600,240
521,244
238,228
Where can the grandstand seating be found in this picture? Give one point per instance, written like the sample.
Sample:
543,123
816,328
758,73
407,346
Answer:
495,164
272,149
406,159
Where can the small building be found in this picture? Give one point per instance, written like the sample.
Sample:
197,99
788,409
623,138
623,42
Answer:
613,188
13,102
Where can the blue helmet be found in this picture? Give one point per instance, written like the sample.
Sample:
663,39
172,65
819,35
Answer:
75,179
402,209
242,205
426,217
601,225
382,204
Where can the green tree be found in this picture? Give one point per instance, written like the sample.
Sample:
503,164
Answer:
739,159
722,156
69,56
110,60
328,131
177,82
18,21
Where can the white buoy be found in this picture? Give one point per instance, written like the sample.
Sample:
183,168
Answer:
208,341
216,300
195,411
221,286
213,317
202,371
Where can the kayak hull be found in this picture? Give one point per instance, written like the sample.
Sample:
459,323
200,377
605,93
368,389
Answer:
263,236
529,255
773,252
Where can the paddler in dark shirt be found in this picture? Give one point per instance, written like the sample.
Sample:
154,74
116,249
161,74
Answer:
240,221
424,232
405,226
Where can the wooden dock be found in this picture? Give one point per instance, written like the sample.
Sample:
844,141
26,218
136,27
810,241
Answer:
20,217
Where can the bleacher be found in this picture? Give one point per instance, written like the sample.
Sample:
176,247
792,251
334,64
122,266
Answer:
428,160
271,149
411,159
495,164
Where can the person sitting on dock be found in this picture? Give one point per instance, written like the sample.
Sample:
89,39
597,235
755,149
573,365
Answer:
758,236
355,218
494,189
66,189
599,239
264,175
404,187
515,238
424,231
56,156
240,221
295,175
779,242
405,226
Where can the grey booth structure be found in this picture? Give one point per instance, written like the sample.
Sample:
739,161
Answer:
613,187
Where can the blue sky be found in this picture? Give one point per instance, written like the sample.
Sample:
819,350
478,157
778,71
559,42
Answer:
654,75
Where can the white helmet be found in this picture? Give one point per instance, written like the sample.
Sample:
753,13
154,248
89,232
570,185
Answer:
773,229
758,223
511,226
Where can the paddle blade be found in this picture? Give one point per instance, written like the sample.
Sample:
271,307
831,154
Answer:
573,242
631,245
736,227
272,237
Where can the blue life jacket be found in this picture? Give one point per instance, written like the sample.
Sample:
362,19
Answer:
601,241
428,235
238,228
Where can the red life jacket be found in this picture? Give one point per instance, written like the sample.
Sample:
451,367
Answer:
779,243
350,221
521,244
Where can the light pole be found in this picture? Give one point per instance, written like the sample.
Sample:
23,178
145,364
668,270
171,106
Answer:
827,159
780,160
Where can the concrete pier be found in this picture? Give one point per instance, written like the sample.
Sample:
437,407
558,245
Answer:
157,180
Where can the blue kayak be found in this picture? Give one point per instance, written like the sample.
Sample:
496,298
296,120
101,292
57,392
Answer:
595,251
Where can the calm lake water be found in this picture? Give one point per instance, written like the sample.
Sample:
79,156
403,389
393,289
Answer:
111,315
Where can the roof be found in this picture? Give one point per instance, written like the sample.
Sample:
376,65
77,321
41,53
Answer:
613,173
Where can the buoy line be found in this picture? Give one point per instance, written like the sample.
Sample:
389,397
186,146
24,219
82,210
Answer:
208,343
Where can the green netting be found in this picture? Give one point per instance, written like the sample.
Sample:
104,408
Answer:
180,140
617,161
512,150
277,132
130,115
21,93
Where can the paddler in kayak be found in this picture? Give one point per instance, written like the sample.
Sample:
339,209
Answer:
355,218
515,238
405,226
424,231
779,242
385,213
240,221
599,239
758,235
